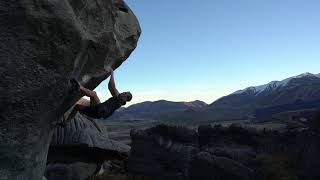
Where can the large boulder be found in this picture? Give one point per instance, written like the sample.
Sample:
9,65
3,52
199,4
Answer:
162,152
44,44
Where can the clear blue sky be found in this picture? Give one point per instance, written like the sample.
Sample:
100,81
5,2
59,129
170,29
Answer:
206,49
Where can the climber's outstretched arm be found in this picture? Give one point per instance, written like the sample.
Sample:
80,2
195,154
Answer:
112,85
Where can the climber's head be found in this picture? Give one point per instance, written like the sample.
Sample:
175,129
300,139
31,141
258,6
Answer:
126,97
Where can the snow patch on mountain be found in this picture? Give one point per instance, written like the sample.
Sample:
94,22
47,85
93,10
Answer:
307,74
274,84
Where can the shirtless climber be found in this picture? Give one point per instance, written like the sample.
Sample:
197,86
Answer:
94,108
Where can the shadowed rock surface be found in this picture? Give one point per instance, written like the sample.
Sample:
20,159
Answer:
78,150
87,138
206,166
270,154
217,152
72,171
162,152
44,44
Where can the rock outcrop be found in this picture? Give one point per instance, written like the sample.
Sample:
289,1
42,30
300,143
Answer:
83,133
162,152
71,171
216,152
80,149
44,44
206,166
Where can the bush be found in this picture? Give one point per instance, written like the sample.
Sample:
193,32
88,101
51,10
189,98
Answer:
315,124
117,176
277,167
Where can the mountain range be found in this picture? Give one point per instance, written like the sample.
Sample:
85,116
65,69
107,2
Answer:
241,104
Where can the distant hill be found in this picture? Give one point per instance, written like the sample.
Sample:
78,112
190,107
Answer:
154,110
309,107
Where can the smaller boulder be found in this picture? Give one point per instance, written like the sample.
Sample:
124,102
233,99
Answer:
73,171
162,152
85,136
209,167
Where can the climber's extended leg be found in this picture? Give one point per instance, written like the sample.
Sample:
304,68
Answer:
82,103
94,99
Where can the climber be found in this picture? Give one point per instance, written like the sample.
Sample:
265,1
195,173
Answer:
94,108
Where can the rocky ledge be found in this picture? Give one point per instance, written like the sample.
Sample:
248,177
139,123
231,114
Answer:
82,149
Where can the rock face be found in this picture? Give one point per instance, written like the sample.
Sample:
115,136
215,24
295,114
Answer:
162,152
206,166
44,44
72,171
79,150
84,139
217,152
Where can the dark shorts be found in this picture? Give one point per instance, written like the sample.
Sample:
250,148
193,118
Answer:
102,110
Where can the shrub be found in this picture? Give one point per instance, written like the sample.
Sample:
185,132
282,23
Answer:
277,167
